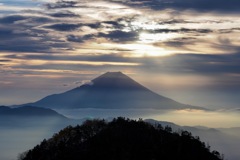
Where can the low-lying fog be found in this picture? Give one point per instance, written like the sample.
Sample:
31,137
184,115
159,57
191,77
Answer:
214,119
15,140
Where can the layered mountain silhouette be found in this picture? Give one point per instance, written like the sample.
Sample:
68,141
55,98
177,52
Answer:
110,91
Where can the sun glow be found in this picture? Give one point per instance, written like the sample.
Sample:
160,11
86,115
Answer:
151,38
141,50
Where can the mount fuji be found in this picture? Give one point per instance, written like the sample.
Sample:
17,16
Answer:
112,90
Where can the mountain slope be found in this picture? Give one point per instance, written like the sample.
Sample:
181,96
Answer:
110,90
120,139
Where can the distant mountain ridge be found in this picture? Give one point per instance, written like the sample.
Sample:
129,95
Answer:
112,90
34,117
29,111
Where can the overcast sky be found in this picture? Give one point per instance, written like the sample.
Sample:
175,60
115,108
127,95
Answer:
188,50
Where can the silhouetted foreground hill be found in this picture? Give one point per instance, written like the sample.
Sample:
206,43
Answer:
120,139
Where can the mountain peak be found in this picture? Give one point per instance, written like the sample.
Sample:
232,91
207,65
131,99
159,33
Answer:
112,75
115,80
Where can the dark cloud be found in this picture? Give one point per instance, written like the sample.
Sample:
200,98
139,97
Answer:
174,21
5,60
199,5
5,33
64,27
206,5
93,25
230,30
187,30
11,19
72,26
56,14
24,20
61,4
120,36
181,30
115,36
38,19
115,24
79,39
16,39
64,14
24,33
8,36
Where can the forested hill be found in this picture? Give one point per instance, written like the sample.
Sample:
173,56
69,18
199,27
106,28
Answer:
121,139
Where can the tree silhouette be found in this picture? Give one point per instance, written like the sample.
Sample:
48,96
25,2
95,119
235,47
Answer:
121,139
